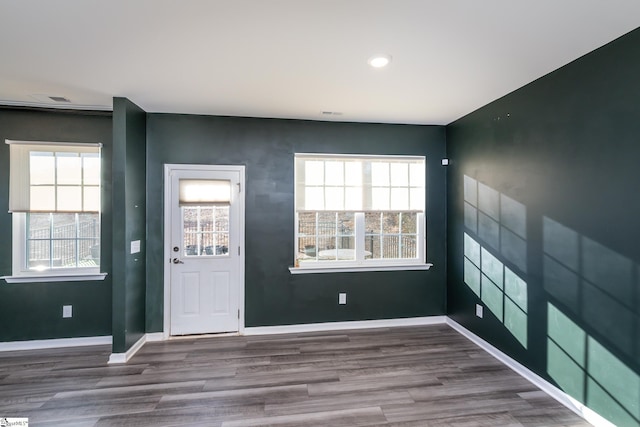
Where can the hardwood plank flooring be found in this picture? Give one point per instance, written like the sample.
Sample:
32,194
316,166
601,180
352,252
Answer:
409,376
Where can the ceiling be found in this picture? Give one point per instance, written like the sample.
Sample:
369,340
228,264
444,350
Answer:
299,59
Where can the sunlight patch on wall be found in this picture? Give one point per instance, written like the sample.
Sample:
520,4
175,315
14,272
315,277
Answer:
586,370
499,222
593,282
471,261
566,353
515,306
613,389
503,292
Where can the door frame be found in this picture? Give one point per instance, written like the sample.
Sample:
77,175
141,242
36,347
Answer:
168,168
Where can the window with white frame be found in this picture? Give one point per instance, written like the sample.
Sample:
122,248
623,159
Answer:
54,199
359,211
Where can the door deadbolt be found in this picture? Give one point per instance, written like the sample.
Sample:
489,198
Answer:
176,249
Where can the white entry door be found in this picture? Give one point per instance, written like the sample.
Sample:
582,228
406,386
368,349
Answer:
206,273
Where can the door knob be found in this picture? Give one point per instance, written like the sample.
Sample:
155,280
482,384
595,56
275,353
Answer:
177,261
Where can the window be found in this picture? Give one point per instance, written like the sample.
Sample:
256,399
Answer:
205,230
359,211
204,204
54,200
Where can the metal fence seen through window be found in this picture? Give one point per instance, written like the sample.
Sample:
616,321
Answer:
316,236
65,245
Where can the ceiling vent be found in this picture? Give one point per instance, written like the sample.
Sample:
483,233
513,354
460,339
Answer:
59,99
48,99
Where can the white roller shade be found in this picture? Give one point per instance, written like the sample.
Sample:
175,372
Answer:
54,177
359,183
202,192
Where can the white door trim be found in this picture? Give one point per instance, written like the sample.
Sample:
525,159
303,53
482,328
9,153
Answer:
168,168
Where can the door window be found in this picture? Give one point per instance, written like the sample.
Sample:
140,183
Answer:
205,231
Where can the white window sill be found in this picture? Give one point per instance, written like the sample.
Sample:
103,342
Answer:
55,278
312,270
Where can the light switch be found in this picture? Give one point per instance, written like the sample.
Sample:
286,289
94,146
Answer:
67,311
135,246
342,298
479,310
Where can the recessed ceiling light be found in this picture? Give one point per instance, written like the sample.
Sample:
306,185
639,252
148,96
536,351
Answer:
379,61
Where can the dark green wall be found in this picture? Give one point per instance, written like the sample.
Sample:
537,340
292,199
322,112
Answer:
31,311
564,150
267,147
129,207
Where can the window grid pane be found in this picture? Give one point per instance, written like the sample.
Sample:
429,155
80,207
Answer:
307,236
91,169
387,184
64,181
68,169
326,236
205,230
56,240
391,235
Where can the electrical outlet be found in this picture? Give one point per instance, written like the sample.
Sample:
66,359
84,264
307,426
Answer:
67,311
479,310
342,298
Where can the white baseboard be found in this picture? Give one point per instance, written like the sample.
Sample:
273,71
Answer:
155,337
54,343
553,391
262,330
120,358
340,326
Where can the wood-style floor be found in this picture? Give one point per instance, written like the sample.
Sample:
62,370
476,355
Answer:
410,376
